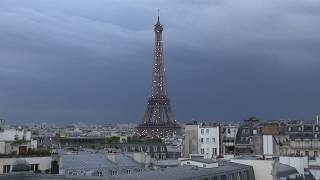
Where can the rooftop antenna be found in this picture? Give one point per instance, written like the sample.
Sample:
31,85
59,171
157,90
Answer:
158,15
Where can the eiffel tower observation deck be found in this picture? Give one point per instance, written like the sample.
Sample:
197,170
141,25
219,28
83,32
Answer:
159,119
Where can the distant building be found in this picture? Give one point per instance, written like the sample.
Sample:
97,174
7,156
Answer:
304,140
154,150
249,138
16,141
201,139
228,138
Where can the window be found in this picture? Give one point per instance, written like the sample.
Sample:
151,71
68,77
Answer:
201,140
155,149
223,177
317,128
202,150
307,153
128,171
99,173
207,131
162,148
238,176
297,152
140,149
213,139
115,173
124,149
163,156
139,170
229,131
245,131
188,163
34,167
214,151
315,153
207,140
231,177
156,156
202,131
6,169
204,165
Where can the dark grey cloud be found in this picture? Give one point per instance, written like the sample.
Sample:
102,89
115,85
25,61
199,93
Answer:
68,61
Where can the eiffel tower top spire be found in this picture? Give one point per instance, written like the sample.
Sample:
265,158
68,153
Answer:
158,16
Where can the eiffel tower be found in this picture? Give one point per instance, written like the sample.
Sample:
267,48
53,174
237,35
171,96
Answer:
158,118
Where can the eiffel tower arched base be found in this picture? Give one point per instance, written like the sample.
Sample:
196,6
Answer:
151,130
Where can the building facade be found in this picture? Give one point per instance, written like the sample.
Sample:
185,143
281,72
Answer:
201,139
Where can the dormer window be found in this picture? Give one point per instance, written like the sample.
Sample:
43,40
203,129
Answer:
115,173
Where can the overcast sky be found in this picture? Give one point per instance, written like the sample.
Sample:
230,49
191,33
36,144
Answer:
91,61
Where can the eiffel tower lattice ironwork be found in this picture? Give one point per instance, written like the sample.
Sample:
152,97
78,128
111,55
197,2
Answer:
159,113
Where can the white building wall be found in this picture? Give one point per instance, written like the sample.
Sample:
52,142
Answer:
297,162
10,134
267,144
2,147
44,162
208,138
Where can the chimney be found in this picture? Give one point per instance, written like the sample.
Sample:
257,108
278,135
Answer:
317,119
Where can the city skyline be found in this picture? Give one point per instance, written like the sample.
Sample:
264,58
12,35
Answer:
92,62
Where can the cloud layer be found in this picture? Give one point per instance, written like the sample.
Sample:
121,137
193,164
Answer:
69,61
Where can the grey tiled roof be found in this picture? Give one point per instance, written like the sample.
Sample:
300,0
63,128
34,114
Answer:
86,161
185,172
